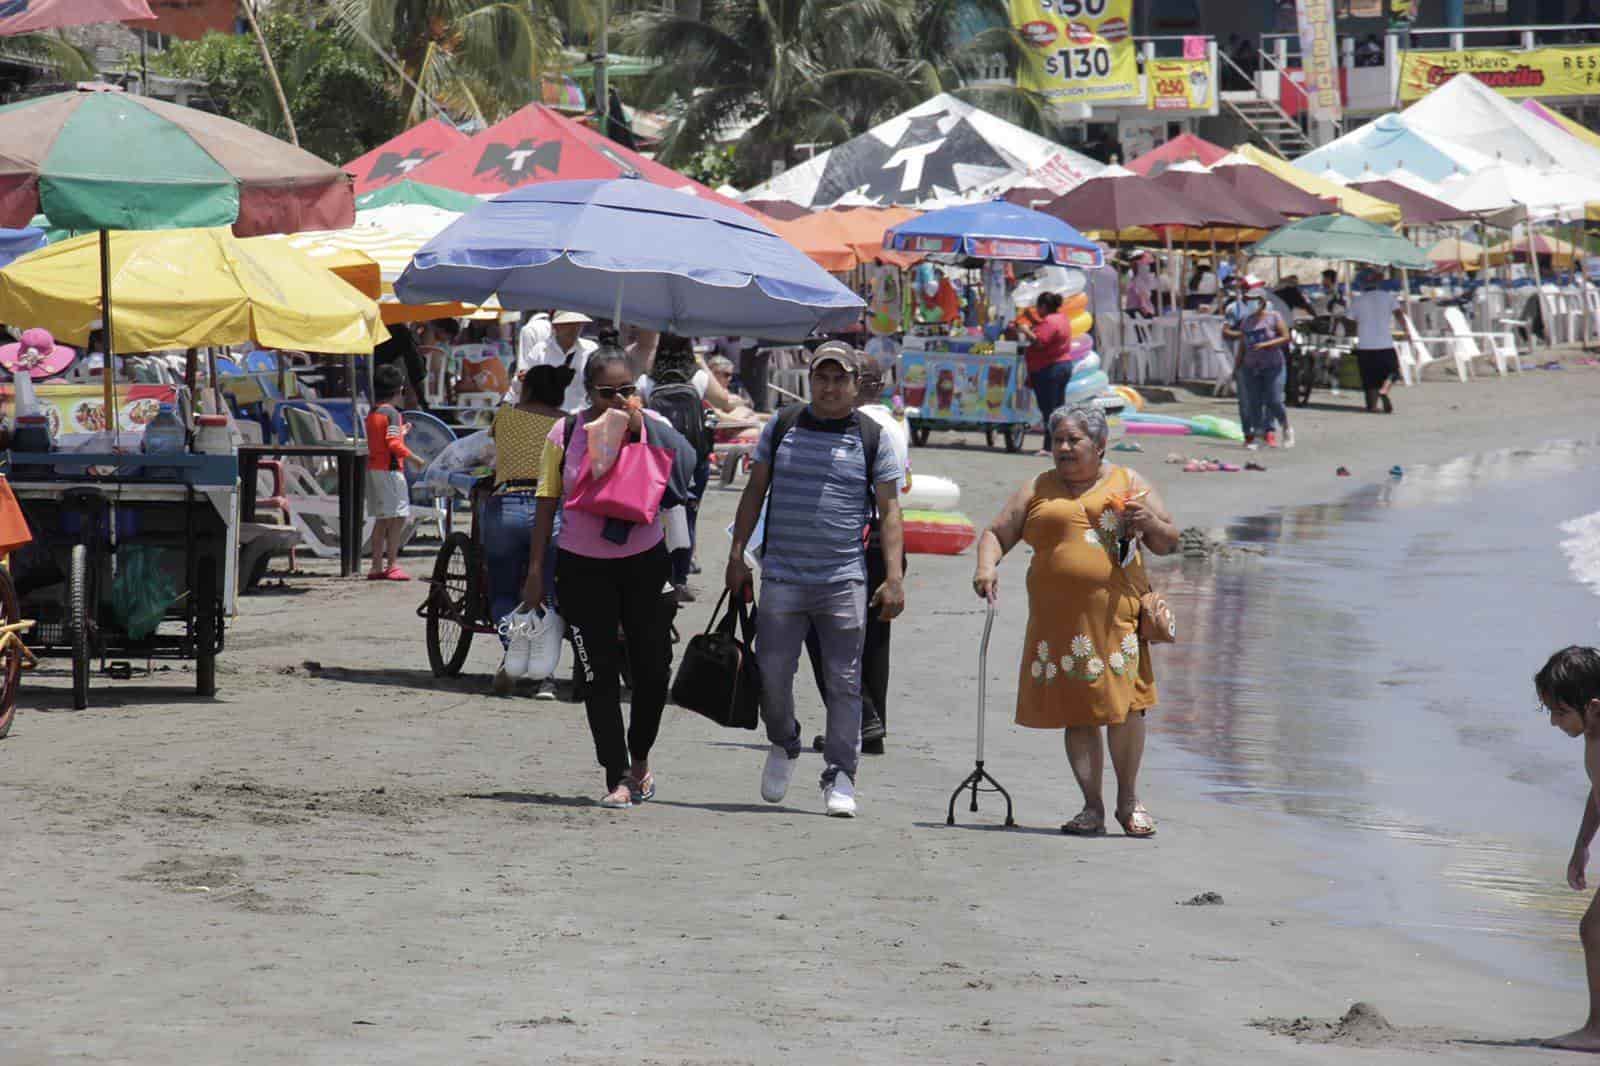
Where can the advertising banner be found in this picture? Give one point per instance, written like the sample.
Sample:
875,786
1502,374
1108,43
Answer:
1077,50
1539,72
1179,84
966,387
1320,58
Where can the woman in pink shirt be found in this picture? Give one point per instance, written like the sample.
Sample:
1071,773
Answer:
609,574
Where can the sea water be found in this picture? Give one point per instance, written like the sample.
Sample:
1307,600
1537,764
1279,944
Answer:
1365,684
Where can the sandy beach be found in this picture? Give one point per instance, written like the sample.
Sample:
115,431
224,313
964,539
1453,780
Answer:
341,860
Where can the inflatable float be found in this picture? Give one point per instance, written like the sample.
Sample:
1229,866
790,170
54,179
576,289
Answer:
1200,426
930,532
931,493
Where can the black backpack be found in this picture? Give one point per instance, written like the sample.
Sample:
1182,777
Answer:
799,414
680,403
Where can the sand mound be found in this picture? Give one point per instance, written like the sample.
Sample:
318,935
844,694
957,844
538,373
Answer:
1363,1025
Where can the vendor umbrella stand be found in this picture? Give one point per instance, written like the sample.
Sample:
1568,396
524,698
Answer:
99,159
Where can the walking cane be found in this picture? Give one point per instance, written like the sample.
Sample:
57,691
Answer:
976,780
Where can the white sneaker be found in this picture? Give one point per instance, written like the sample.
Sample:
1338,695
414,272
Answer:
1252,447
518,630
775,776
839,795
544,656
1288,437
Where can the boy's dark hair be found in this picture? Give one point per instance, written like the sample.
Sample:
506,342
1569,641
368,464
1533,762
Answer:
388,381
1570,678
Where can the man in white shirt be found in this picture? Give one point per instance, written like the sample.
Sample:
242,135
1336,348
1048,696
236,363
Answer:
1377,313
555,342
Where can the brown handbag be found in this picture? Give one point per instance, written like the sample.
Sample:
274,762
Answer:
1157,623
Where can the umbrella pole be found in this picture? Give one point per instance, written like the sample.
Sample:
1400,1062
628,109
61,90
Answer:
1538,290
108,378
355,417
211,382
1177,287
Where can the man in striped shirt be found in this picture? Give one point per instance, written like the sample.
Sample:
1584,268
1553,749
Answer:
826,470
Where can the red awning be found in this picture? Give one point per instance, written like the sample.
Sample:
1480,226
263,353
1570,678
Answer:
538,144
394,160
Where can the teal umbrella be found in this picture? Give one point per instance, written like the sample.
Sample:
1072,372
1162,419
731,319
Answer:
414,193
1343,237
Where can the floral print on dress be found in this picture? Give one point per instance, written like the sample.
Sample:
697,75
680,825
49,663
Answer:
1106,532
1042,669
1082,663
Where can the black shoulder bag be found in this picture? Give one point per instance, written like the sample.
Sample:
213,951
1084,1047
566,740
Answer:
718,676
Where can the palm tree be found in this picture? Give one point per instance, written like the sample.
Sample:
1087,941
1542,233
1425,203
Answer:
482,58
817,71
52,51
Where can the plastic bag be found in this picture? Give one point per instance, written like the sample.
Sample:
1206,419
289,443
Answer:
470,452
607,434
142,591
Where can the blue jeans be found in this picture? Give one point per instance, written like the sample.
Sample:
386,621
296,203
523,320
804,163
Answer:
1265,403
507,533
683,557
839,614
1050,390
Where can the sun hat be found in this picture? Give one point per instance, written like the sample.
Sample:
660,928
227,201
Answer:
836,352
1251,282
37,353
570,318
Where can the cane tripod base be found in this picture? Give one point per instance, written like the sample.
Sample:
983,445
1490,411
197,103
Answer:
980,780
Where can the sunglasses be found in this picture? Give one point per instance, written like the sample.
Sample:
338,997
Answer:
611,392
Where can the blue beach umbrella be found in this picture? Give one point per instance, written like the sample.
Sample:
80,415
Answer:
633,251
996,230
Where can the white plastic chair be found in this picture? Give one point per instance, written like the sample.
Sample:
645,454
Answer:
1421,352
1502,344
1133,360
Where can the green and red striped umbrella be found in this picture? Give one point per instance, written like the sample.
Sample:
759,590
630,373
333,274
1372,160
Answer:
96,159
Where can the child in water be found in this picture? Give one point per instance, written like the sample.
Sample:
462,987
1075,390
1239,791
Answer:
1569,690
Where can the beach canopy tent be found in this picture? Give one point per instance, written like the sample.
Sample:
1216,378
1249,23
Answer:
1184,148
1466,112
942,150
415,193
1562,122
843,238
1350,201
1505,195
538,144
190,288
1117,203
395,159
779,210
1214,194
1345,238
1416,209
631,251
995,230
1389,143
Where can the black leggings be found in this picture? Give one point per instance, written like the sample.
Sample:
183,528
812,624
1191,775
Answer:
597,596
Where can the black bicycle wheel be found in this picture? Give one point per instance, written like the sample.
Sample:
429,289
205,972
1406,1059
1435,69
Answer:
207,622
78,619
448,616
11,657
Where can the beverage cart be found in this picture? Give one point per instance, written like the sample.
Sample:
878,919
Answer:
966,383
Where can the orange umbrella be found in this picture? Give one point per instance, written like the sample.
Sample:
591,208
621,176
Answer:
842,238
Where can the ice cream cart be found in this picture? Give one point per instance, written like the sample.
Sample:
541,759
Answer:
966,383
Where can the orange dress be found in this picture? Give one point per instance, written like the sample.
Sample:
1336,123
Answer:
1083,663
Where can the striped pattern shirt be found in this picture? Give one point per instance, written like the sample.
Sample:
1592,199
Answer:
818,509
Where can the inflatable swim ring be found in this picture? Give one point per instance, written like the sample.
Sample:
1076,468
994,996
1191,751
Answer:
1082,323
930,532
1083,387
1075,305
1155,429
1082,345
931,493
1084,359
1131,395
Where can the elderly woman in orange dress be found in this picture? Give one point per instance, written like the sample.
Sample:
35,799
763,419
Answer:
1084,666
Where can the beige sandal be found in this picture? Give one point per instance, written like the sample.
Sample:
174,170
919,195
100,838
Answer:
1085,824
1137,822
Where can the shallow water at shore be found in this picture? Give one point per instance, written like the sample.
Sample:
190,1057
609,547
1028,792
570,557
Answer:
1366,684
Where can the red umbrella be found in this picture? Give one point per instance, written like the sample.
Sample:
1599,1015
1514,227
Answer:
538,144
1416,209
1122,203
782,210
1260,186
37,15
394,160
1215,195
1183,148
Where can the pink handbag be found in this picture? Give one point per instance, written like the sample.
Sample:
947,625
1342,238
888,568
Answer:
631,490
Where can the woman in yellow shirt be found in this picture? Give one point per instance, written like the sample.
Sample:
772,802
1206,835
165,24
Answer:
519,433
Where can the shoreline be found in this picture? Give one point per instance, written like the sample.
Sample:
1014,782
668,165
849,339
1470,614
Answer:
355,864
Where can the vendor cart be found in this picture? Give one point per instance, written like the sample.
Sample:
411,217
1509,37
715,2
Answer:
133,559
966,383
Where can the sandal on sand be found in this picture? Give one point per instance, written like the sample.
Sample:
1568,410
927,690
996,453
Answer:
641,790
619,798
1137,822
1085,824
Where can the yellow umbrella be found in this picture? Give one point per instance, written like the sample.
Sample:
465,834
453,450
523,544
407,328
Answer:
1351,201
190,289
1453,253
1562,254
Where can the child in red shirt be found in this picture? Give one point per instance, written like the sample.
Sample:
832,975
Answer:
388,495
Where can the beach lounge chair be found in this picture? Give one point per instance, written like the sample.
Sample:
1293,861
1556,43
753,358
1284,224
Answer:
1502,344
1422,350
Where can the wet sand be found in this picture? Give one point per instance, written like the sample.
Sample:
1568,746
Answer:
350,862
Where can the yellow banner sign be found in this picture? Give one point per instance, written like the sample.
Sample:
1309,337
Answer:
1317,49
1179,84
1077,49
1540,72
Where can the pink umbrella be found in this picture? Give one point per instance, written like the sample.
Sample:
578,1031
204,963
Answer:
31,16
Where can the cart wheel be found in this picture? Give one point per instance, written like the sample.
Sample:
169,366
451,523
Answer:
919,436
11,658
1015,437
205,628
78,617
988,437
449,606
